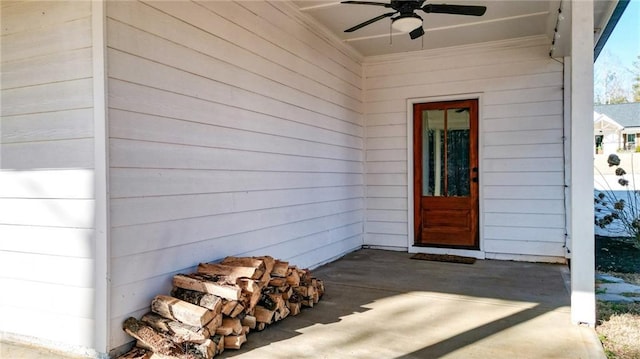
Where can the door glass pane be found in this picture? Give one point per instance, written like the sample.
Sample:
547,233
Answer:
458,153
433,175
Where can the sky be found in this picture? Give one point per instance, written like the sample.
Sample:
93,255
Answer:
623,46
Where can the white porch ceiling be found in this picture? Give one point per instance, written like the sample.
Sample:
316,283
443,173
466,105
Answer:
504,20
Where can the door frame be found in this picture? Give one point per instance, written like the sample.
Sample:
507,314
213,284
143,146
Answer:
412,248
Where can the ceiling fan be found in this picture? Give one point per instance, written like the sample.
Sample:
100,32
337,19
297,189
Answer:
408,20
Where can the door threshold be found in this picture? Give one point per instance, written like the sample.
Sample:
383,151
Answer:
477,254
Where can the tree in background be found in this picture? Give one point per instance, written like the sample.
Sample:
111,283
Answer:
614,89
636,80
612,81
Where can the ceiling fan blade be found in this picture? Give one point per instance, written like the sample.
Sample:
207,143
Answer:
366,3
370,21
455,9
416,33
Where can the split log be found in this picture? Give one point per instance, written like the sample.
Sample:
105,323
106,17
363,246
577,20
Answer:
230,271
142,345
260,327
293,278
278,300
319,285
206,349
286,292
224,331
234,341
178,332
237,310
281,314
137,353
215,285
250,292
155,341
294,308
295,297
305,276
234,324
249,320
214,323
280,269
192,350
305,291
209,301
245,329
267,302
278,282
219,341
263,315
228,306
244,262
185,312
269,262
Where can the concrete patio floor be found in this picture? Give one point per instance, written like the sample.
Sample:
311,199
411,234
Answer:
381,304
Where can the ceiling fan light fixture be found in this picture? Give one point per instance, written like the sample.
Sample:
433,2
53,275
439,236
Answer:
406,23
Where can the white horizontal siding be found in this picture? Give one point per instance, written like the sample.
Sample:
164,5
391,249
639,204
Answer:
47,126
46,172
54,241
235,129
230,112
78,331
162,130
130,182
521,156
155,236
61,299
143,210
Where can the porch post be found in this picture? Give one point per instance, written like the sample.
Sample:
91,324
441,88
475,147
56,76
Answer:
581,97
102,252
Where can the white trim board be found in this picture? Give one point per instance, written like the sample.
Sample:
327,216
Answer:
418,249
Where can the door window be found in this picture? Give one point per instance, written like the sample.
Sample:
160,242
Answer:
445,152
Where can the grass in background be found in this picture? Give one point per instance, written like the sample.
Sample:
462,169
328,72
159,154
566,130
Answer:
619,329
618,324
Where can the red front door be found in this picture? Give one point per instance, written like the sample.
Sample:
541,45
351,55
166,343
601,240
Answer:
445,148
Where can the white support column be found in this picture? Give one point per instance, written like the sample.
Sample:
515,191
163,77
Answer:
582,256
102,252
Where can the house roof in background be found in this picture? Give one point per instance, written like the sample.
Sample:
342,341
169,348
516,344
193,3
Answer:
626,114
601,121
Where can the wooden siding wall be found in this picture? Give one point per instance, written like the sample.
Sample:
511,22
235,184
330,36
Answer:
521,157
234,130
46,177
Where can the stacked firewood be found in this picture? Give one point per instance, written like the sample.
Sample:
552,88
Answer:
215,308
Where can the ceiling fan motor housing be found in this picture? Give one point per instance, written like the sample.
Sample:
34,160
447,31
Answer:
406,22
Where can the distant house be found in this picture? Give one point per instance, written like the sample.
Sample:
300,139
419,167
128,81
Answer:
616,127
